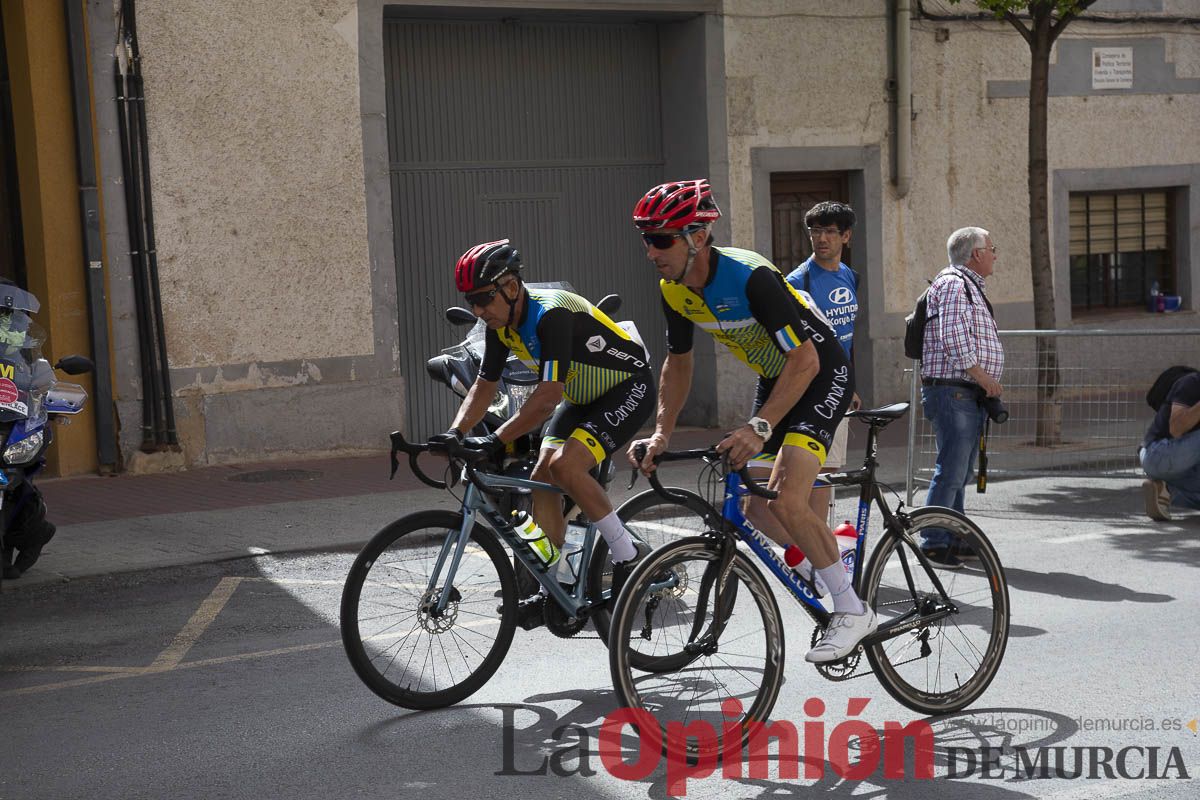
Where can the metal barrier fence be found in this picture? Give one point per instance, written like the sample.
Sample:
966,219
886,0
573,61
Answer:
1096,417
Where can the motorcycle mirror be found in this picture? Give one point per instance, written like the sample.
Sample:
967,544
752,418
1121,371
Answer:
610,303
459,316
75,365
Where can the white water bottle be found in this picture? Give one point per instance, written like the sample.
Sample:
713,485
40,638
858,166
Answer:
535,537
572,554
847,542
846,538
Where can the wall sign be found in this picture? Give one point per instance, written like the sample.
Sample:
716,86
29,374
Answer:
1112,67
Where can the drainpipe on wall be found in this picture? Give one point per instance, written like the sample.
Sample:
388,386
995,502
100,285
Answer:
158,414
89,206
902,136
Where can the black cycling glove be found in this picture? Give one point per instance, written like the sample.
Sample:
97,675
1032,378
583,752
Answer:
452,435
489,444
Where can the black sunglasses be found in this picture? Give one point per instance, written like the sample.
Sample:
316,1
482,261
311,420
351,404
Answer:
481,299
660,241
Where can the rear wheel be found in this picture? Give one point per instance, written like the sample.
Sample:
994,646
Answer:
651,519
945,663
402,647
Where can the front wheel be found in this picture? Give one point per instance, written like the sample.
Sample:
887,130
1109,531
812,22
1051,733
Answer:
666,613
947,660
402,647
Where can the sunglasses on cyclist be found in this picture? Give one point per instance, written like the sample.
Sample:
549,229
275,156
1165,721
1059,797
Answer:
481,299
660,241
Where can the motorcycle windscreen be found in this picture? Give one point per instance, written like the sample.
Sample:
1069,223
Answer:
22,386
13,298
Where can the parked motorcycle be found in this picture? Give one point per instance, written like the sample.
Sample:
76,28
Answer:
30,394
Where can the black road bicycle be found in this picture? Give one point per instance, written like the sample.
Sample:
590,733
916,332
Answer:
697,623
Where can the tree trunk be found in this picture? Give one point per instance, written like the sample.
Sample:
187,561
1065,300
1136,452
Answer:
1049,412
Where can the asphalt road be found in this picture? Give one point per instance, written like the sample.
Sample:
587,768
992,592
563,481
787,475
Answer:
229,680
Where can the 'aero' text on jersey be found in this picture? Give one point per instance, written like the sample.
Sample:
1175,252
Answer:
566,339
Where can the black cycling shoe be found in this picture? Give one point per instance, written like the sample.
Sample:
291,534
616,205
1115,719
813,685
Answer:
623,569
531,612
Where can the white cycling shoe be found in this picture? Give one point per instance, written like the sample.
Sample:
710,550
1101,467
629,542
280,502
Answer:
844,633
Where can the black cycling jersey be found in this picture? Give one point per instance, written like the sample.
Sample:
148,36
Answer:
566,339
749,307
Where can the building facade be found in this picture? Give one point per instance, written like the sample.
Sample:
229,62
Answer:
314,168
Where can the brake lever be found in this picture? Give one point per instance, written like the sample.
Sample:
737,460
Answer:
639,453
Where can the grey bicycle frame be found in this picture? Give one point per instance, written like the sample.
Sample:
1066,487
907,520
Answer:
477,504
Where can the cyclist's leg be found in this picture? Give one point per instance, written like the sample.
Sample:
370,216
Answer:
601,428
760,467
821,499
548,506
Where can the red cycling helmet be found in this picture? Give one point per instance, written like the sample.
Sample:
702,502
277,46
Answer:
680,205
485,263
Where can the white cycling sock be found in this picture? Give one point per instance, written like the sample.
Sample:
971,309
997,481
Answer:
620,543
845,600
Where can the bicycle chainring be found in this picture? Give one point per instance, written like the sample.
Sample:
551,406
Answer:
842,670
558,623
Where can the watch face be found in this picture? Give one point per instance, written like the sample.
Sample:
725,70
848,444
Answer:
762,429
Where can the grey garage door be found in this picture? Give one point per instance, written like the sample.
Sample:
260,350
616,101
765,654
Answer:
545,133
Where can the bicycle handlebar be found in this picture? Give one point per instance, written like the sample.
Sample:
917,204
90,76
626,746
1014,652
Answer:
709,454
455,451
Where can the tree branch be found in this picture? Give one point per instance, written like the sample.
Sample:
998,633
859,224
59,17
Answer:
1062,22
1016,22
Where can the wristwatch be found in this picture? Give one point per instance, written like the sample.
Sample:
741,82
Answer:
761,427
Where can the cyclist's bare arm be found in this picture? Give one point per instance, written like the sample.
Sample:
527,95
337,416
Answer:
474,405
536,410
800,366
675,382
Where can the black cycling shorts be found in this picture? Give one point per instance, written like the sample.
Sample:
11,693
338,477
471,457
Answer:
607,423
814,419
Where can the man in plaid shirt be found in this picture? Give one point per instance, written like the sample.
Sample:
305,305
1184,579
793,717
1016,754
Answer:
961,362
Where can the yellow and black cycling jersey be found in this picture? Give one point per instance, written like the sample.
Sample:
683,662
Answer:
748,307
566,339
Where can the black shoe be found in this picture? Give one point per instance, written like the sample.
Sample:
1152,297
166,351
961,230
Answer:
29,553
942,557
962,550
623,569
531,612
6,562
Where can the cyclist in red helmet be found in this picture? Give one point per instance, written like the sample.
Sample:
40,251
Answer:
805,382
595,381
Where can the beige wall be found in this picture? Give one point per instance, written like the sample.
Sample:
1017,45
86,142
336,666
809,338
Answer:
257,163
807,75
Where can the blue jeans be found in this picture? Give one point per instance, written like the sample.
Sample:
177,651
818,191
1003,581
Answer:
1176,462
957,419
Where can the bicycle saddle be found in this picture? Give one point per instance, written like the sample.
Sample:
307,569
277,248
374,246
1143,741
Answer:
880,416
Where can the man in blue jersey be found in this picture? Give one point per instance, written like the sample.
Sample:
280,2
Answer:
804,381
833,287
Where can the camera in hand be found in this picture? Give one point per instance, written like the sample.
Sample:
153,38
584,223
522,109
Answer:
996,410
